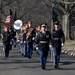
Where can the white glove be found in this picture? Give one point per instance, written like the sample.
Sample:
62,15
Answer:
50,46
36,48
33,38
18,40
62,44
36,34
24,41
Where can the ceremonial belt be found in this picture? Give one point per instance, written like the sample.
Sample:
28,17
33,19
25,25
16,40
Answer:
56,38
43,41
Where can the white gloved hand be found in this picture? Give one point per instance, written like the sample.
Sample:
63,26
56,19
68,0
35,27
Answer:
36,34
33,38
18,40
62,44
50,46
36,48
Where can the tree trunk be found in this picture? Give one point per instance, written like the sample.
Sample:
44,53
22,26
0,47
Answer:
65,25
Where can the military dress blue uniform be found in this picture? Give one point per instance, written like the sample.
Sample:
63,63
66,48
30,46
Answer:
29,43
57,39
6,43
24,44
43,40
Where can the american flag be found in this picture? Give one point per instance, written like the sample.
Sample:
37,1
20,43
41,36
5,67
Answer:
9,18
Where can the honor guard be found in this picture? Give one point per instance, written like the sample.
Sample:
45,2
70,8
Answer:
38,29
43,40
6,41
24,41
29,41
13,37
58,40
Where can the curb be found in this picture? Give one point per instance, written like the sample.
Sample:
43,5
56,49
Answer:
68,52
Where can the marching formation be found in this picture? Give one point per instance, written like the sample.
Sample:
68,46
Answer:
39,38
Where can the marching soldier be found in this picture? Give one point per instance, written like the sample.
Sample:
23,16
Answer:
13,34
38,29
6,41
24,41
43,40
58,40
29,41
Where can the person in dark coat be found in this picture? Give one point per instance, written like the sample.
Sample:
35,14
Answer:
38,29
29,39
58,40
6,41
43,40
24,41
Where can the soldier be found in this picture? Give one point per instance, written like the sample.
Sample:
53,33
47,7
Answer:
38,29
6,41
24,41
58,40
43,39
29,41
13,34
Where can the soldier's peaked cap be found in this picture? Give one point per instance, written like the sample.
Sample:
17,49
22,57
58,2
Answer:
57,23
44,25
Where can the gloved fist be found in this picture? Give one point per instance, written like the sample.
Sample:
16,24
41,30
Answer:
50,46
33,38
36,48
62,44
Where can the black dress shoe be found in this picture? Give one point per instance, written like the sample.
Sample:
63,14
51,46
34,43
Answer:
43,67
29,57
25,55
56,67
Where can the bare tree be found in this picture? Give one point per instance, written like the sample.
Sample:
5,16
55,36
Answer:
38,11
65,6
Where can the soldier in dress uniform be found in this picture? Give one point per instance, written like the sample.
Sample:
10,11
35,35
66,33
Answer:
43,40
13,34
38,29
24,41
58,40
6,41
29,40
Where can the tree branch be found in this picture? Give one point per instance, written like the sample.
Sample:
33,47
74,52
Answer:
71,8
65,2
7,4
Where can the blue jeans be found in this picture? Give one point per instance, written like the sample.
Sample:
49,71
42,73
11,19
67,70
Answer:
25,49
43,57
57,52
6,49
29,49
21,47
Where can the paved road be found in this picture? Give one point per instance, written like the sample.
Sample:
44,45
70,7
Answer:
18,65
